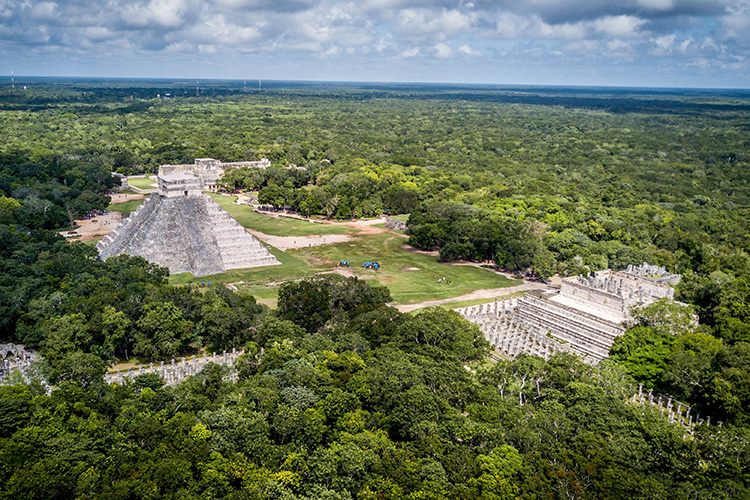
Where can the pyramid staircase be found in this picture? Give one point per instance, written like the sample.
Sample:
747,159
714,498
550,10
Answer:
191,234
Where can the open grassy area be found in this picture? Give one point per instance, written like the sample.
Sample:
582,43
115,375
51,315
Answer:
143,183
125,208
291,267
276,226
402,217
411,276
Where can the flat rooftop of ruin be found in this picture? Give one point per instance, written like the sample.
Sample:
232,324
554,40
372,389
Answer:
591,309
176,177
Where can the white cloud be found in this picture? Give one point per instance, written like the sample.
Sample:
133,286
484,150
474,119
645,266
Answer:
443,50
619,26
431,24
510,26
163,13
665,42
410,52
43,11
685,44
369,32
465,49
564,31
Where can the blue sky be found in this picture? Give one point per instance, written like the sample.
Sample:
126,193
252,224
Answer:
662,43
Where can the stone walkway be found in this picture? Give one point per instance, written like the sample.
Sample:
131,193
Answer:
486,293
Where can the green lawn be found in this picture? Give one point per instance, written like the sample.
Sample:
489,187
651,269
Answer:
144,183
276,226
291,267
411,277
125,208
402,217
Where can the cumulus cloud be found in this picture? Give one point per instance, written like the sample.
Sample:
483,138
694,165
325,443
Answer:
414,51
465,49
619,26
365,32
429,24
443,50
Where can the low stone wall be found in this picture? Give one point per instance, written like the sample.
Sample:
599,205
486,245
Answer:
175,372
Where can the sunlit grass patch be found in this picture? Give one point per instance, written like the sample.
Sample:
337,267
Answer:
125,208
412,277
291,267
143,183
276,226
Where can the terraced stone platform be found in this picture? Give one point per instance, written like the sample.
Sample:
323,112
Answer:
186,234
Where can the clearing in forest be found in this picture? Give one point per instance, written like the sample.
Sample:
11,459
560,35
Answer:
314,247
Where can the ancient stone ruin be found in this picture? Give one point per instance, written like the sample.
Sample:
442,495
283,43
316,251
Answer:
584,317
185,230
394,224
176,372
15,358
208,171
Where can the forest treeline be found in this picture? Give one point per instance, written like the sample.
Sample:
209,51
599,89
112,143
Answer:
338,395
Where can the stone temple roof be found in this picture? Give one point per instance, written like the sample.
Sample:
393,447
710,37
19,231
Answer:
178,177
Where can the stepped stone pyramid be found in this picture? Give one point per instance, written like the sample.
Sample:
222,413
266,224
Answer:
186,231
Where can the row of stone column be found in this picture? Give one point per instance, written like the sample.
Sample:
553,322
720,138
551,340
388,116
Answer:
676,411
501,328
490,310
175,372
511,337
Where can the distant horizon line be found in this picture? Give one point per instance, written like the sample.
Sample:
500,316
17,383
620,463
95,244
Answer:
19,78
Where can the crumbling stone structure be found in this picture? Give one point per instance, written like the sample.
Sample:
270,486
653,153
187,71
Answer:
186,231
584,317
656,274
208,171
16,358
392,224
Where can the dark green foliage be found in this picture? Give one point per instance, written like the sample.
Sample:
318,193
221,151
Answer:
340,397
310,303
399,422
305,303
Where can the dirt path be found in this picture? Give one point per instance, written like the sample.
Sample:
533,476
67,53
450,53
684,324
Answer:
486,293
363,227
292,242
101,225
93,228
123,197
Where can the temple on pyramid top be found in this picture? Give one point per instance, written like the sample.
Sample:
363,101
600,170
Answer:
182,229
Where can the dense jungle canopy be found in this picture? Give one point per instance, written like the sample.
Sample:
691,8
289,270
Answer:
339,396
